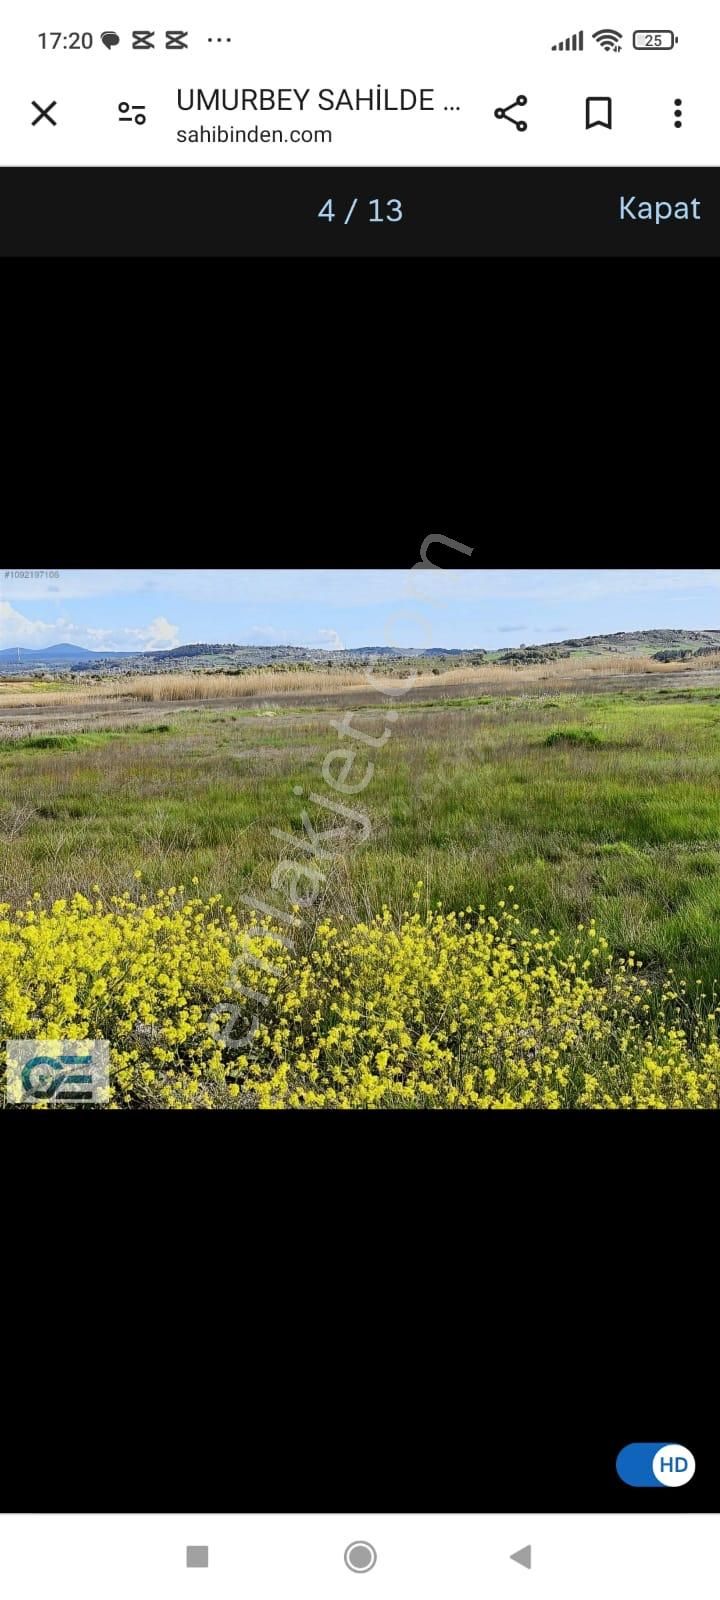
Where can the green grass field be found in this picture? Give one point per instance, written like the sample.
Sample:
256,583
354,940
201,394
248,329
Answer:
604,805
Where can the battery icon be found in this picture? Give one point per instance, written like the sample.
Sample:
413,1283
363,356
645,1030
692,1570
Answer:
646,39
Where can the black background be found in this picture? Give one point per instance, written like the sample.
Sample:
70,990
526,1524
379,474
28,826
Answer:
398,1312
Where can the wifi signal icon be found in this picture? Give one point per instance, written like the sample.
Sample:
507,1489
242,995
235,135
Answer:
609,39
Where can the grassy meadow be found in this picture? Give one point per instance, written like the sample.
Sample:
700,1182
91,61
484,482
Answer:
559,806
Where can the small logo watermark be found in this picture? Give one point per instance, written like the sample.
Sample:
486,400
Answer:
58,1072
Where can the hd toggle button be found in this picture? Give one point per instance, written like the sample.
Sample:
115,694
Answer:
651,1466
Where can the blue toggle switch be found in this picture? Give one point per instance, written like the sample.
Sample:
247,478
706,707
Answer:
655,1466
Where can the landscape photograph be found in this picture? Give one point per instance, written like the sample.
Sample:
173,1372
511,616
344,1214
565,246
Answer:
314,840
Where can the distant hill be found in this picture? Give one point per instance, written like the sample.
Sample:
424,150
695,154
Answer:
59,652
645,640
67,652
53,652
665,644
661,643
299,650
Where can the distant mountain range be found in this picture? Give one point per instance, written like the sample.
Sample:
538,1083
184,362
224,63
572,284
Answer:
650,641
69,653
63,653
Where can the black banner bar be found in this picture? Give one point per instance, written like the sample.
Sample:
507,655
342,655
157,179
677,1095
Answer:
359,212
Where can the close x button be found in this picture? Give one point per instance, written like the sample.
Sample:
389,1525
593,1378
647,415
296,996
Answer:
44,113
653,1466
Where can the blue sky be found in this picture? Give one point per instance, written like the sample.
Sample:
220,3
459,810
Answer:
148,609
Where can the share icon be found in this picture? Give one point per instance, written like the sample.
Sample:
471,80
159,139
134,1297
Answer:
503,113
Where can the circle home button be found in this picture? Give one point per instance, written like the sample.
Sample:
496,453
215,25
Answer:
360,1556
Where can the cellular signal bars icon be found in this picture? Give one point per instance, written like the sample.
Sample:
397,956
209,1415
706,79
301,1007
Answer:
575,42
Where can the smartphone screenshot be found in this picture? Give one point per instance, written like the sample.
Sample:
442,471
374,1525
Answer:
360,1078
366,130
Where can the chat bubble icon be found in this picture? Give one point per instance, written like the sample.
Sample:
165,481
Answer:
110,40
598,112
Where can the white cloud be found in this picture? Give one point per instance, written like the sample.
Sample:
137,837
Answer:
15,628
158,635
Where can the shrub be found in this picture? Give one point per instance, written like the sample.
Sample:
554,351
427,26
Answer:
42,741
573,736
436,1011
